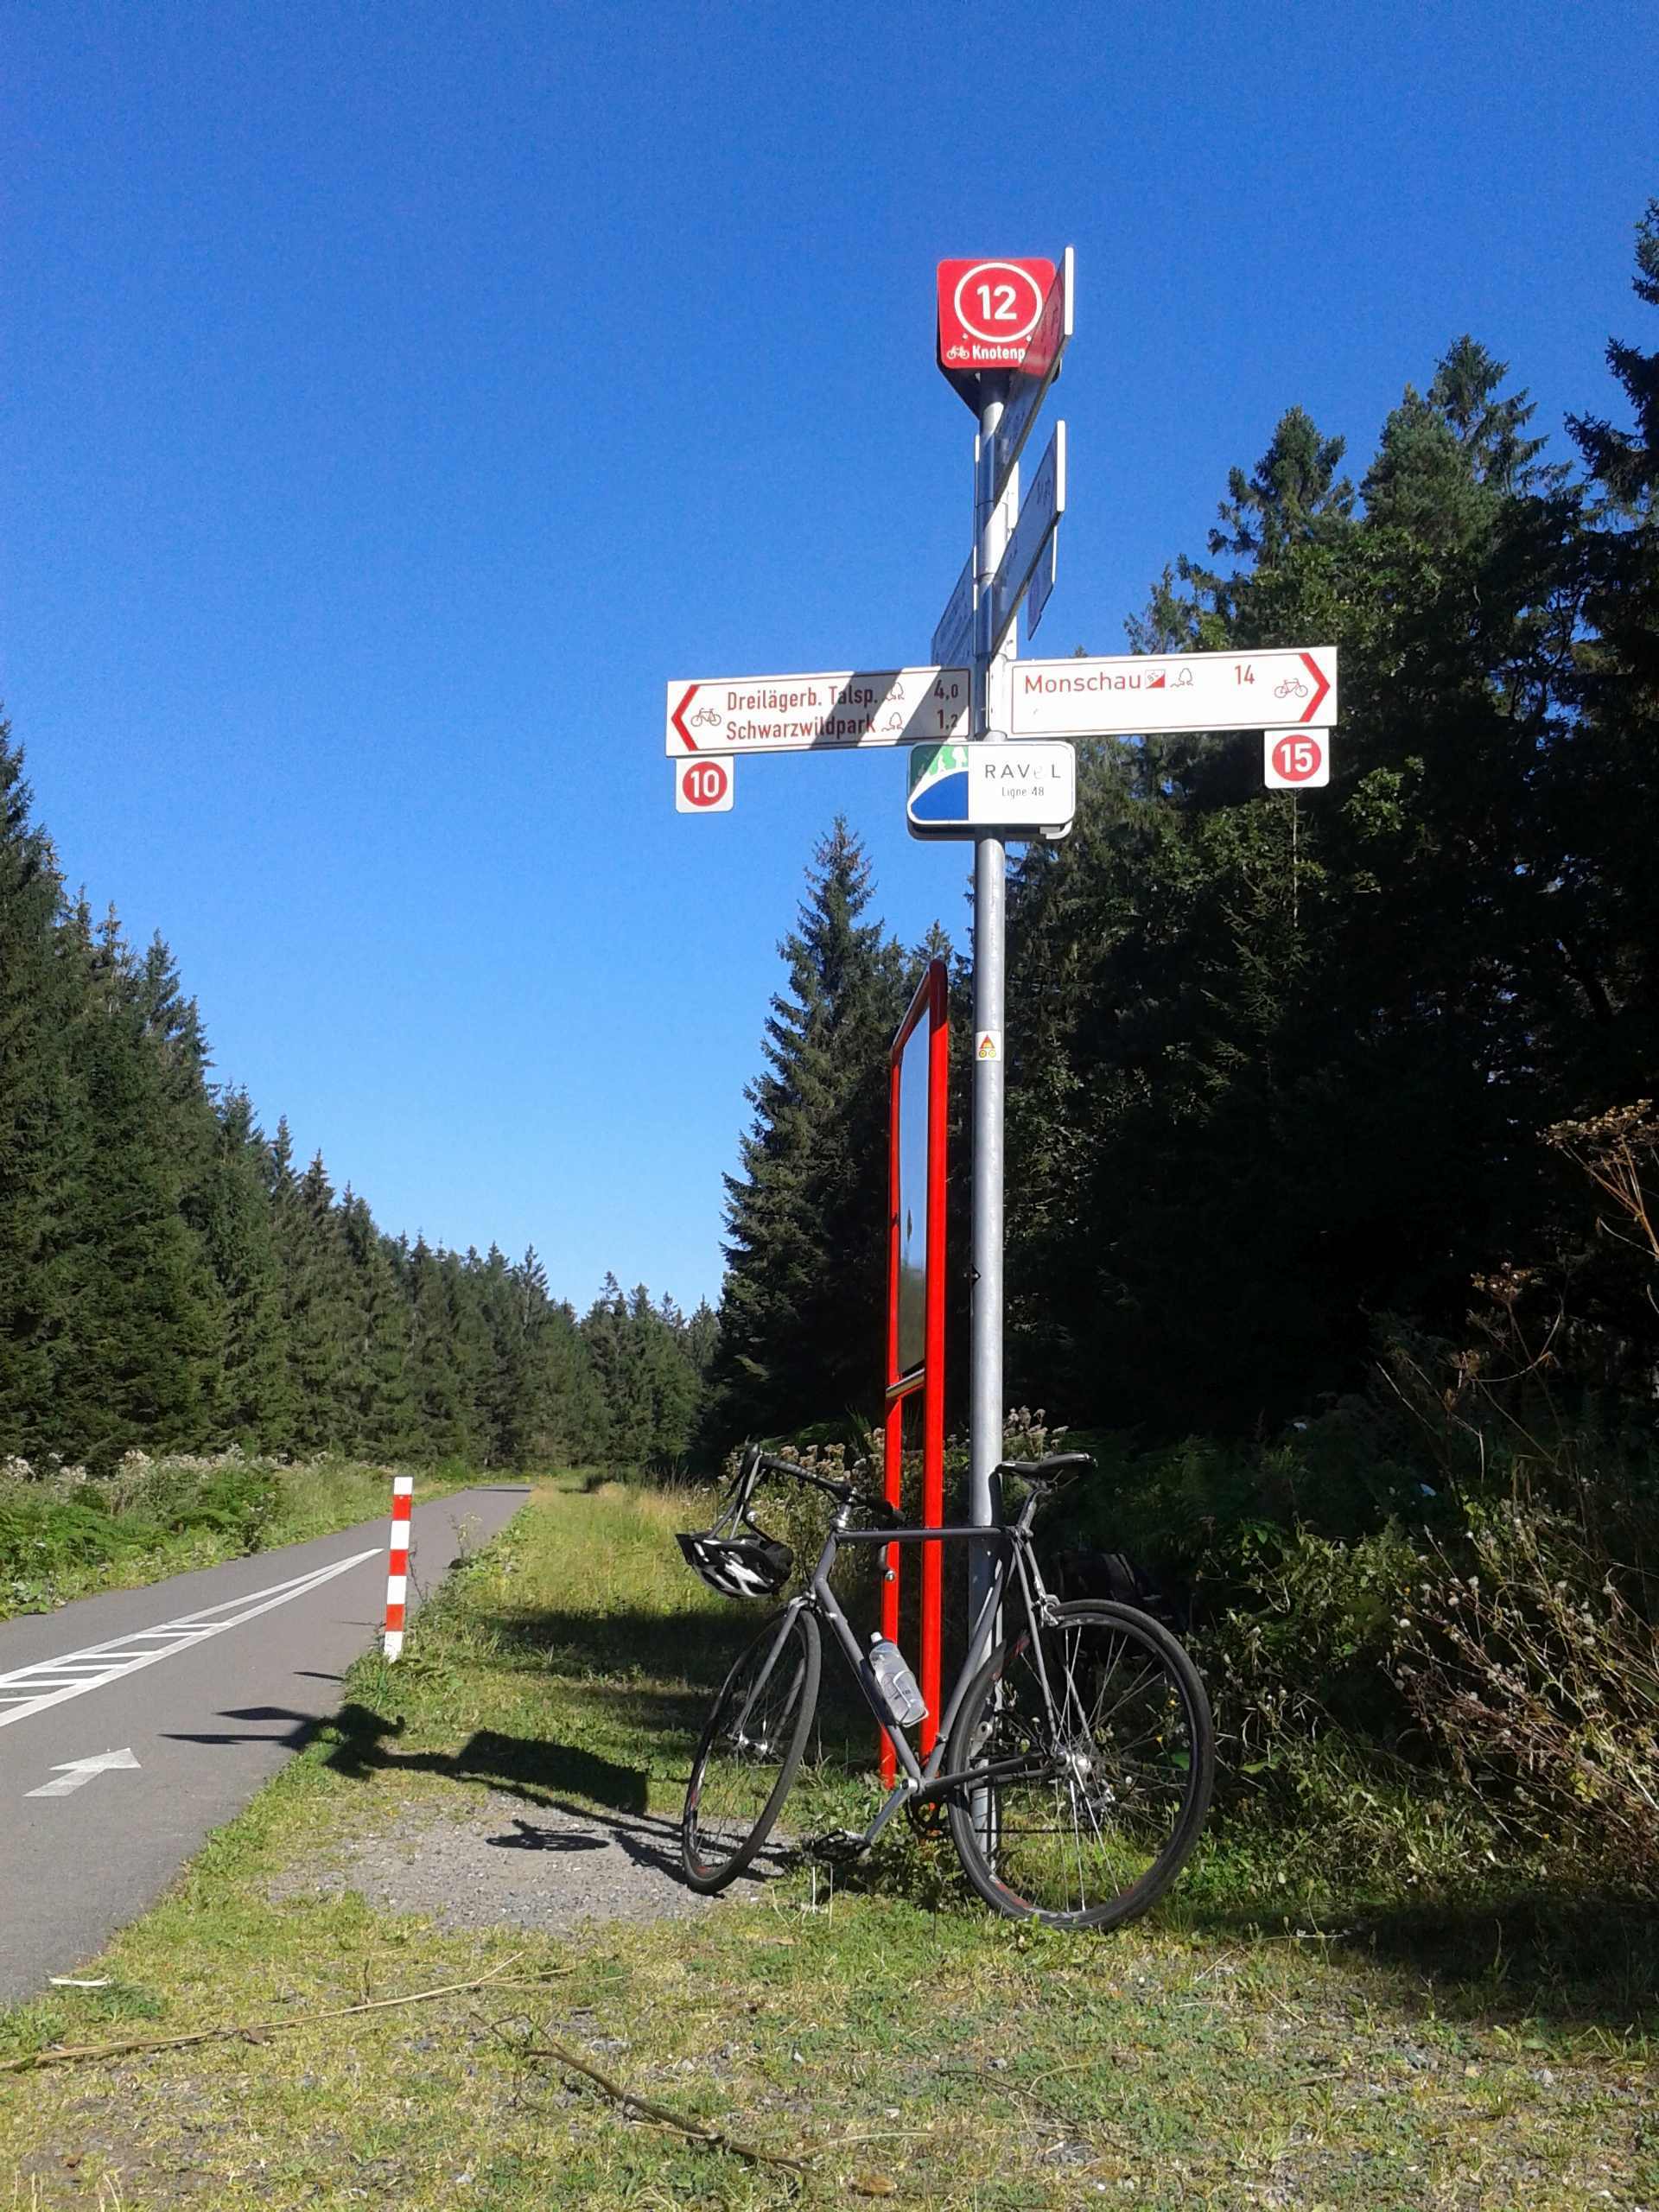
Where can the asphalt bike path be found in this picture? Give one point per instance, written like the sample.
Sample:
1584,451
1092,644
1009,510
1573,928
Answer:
133,1723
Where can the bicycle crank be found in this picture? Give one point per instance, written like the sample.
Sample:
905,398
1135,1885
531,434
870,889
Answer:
836,1847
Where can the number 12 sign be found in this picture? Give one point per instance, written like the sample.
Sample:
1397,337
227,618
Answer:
1296,759
988,311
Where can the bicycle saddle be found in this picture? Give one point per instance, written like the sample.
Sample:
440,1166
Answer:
1041,1473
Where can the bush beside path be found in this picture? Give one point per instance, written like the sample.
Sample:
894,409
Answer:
65,1534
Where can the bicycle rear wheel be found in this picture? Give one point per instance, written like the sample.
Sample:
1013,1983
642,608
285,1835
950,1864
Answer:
750,1751
1099,1755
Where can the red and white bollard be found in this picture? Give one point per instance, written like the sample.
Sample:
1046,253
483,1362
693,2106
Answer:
403,1498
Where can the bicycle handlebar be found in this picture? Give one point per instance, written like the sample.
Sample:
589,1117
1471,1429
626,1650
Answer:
768,1463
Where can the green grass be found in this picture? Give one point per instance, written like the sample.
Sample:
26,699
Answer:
179,1514
1232,2050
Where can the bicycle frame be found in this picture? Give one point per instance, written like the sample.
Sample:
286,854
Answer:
919,1782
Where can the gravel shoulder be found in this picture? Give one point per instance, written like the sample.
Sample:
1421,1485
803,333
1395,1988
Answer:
485,1865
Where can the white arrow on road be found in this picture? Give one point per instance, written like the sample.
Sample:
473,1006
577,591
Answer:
76,1772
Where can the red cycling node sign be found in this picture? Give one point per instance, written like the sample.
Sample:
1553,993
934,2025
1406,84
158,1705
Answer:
988,311
702,786
1296,759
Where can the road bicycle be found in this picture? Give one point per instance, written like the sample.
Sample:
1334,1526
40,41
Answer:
1074,1764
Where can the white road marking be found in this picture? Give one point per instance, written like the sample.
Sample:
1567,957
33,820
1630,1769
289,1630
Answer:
50,1681
74,1773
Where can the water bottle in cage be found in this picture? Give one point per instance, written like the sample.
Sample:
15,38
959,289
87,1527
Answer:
893,1684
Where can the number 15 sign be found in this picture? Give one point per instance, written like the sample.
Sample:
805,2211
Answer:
1296,759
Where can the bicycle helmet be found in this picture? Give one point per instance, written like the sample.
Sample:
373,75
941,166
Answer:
738,1564
739,1567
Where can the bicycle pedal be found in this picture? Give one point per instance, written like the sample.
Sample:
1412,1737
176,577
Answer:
837,1846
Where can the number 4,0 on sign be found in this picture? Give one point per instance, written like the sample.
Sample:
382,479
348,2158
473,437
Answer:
703,786
1296,759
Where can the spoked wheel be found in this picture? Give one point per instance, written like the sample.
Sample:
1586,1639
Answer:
1094,1737
750,1751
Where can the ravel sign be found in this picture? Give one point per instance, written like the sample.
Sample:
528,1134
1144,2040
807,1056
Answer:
1027,790
807,714
1136,693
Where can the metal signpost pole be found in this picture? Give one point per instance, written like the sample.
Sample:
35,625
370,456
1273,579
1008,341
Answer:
990,880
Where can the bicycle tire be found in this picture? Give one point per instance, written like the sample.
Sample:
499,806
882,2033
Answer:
748,1778
1100,1797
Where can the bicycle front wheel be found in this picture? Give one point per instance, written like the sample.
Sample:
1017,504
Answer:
1095,1738
750,1751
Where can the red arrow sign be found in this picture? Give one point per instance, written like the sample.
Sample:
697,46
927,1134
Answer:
1322,684
678,717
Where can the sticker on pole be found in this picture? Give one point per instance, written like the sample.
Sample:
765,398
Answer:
1027,789
703,786
988,1044
1296,759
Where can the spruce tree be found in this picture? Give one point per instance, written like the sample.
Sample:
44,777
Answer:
802,1326
232,1206
378,1415
1608,873
35,1011
138,1362
318,1300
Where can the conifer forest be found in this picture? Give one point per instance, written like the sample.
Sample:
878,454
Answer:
172,1280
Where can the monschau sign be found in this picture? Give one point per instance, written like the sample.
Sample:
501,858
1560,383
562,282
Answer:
1132,694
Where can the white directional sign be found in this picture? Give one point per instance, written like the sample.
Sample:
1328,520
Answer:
704,787
953,641
809,714
1042,583
1025,790
1028,386
1038,518
1296,759
1134,693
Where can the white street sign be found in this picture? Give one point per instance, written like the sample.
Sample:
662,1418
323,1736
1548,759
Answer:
1026,790
809,714
1028,386
1134,693
704,787
1042,583
1296,759
1038,518
953,641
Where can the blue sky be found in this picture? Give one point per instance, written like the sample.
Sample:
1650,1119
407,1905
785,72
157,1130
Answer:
396,396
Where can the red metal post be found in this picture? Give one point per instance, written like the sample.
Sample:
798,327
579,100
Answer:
930,1002
939,1134
894,1455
